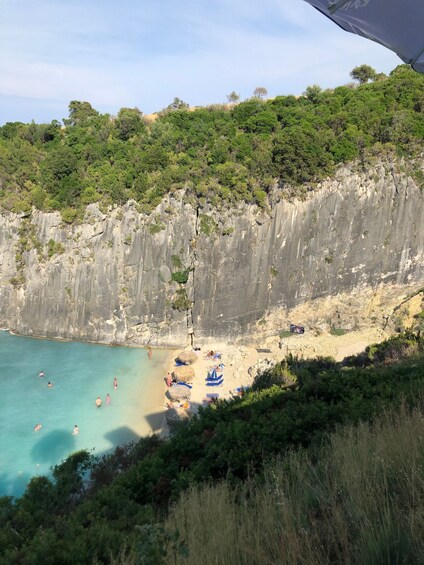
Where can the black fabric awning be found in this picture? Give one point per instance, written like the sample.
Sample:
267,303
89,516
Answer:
396,24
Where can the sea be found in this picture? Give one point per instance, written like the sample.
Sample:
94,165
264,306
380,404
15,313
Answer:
79,373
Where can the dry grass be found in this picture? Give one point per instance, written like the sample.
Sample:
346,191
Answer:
361,502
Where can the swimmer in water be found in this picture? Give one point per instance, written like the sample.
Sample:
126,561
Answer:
115,383
149,352
49,384
37,427
107,399
41,374
75,431
98,402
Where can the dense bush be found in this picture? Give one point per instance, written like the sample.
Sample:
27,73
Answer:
224,155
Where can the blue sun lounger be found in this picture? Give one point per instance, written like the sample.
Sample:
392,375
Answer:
211,378
184,384
215,383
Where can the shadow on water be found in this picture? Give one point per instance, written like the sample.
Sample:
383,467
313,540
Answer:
121,435
14,485
53,447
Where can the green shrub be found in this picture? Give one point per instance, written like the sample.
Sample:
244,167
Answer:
54,248
155,228
337,331
395,349
69,215
208,225
279,375
181,277
181,301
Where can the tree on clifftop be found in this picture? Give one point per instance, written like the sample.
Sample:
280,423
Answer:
363,74
260,92
79,112
233,97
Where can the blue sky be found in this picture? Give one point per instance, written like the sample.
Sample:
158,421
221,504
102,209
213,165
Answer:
144,53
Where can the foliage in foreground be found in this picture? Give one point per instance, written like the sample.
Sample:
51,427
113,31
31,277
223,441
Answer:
67,520
219,154
359,499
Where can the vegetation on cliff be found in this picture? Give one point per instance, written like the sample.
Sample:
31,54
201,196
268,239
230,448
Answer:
218,154
118,514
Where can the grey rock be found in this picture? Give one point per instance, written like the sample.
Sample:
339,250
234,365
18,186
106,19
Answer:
322,261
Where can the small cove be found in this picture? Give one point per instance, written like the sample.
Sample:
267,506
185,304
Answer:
80,373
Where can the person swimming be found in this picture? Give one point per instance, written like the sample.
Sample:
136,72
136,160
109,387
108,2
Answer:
75,431
49,384
107,399
98,402
37,427
41,374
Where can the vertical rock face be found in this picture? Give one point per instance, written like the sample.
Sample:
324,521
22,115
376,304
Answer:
123,277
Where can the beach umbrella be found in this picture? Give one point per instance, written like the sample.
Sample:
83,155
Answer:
177,392
396,24
187,357
184,373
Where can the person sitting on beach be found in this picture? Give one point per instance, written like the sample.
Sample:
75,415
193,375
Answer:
75,431
41,374
37,427
98,402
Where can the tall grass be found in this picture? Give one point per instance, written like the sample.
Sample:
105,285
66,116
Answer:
359,500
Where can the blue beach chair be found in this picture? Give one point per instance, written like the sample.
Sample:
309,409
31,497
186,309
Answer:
184,384
215,383
213,376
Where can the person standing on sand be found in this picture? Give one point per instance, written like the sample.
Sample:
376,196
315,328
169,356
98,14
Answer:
107,399
115,383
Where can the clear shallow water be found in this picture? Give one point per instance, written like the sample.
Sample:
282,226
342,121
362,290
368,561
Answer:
80,373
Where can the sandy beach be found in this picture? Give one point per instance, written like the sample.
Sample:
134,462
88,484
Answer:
238,359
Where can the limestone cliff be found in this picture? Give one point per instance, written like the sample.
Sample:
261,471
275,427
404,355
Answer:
346,255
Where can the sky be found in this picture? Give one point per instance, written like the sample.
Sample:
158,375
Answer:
144,53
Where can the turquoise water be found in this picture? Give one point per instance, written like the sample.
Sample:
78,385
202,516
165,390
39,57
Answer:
80,373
